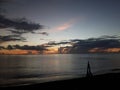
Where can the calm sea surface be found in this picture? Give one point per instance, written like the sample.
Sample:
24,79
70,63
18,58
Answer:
29,69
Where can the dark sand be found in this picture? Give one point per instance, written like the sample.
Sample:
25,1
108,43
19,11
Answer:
98,82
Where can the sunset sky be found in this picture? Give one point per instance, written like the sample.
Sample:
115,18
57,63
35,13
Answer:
49,24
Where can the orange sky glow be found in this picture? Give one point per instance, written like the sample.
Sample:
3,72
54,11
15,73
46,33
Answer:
109,50
18,52
54,51
26,52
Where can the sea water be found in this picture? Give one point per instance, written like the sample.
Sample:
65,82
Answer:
30,69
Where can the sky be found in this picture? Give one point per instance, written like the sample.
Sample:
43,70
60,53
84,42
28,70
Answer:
42,22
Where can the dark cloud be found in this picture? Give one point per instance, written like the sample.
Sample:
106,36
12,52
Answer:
21,25
75,40
27,47
78,46
83,46
53,43
105,37
2,47
17,26
17,32
66,42
9,47
40,49
43,33
66,49
11,38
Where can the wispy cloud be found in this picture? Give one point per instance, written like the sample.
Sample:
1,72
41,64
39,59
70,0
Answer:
64,26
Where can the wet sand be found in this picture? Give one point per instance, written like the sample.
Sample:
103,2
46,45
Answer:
97,81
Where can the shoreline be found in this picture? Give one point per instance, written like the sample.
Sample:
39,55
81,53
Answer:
102,79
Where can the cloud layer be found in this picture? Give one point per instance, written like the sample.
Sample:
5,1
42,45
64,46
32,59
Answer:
25,49
17,26
101,44
9,38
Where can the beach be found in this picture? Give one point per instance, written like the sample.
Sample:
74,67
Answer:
103,80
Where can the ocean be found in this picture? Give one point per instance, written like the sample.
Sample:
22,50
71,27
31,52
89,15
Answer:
18,70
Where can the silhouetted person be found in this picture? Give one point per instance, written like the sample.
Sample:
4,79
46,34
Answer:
89,73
